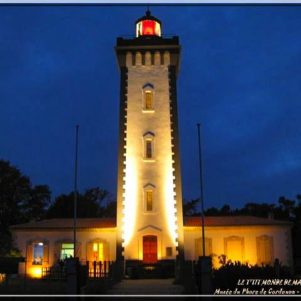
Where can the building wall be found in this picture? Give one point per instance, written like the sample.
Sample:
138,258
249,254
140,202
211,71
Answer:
246,238
243,237
24,239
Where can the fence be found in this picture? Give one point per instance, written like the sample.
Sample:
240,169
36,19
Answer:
99,269
54,273
93,269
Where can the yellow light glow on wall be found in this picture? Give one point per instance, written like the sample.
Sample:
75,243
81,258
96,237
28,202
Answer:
130,200
169,194
35,272
95,247
101,251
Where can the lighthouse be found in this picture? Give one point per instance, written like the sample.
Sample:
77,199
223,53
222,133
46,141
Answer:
149,193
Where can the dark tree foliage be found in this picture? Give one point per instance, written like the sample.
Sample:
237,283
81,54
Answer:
94,202
110,210
35,207
190,208
20,202
286,209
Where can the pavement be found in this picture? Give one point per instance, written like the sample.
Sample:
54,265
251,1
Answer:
146,287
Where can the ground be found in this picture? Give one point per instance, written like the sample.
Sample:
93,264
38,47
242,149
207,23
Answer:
146,287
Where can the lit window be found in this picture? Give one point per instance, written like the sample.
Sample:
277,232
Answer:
148,146
149,200
67,251
98,251
38,253
265,252
148,100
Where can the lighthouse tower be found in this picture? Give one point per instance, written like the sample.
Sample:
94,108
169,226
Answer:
149,197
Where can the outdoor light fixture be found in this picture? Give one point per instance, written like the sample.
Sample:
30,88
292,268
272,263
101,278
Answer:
35,272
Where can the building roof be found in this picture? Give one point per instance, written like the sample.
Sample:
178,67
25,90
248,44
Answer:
189,221
148,16
67,223
239,220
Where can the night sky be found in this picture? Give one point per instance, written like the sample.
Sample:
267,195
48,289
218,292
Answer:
240,76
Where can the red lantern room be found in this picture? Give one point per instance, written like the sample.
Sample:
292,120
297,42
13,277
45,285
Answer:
148,26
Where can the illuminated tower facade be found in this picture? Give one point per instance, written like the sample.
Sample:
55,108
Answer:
149,197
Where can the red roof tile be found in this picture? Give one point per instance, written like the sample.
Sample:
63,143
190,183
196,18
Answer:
189,221
67,223
215,221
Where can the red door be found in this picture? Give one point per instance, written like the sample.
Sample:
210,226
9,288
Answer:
150,249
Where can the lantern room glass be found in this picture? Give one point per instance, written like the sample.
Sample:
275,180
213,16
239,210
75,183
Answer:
148,28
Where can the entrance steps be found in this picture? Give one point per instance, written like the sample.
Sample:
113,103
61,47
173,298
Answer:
162,269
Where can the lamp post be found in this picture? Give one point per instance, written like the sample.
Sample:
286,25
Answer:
201,188
75,192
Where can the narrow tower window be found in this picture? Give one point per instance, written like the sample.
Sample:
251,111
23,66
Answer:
148,100
149,200
148,149
148,146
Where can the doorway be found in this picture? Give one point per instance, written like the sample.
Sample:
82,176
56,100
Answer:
150,249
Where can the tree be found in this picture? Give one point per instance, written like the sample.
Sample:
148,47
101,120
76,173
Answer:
287,206
20,202
257,209
212,211
93,203
110,210
38,201
190,207
225,210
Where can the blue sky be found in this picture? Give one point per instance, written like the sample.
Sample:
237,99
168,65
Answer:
239,77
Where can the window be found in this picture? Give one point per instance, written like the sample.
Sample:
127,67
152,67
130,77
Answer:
199,247
149,200
148,100
148,146
234,248
265,252
67,250
98,251
38,253
148,149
